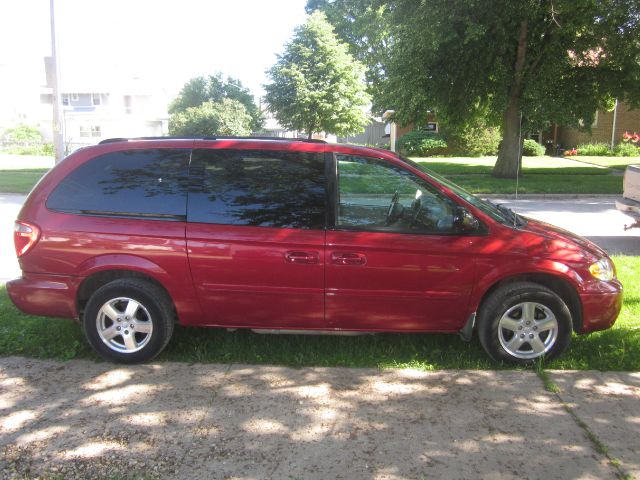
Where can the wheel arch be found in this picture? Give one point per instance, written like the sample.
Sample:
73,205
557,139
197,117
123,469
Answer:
100,278
558,285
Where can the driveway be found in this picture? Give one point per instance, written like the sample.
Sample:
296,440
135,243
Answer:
169,420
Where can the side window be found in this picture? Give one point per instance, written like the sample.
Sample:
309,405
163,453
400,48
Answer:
375,195
140,183
258,188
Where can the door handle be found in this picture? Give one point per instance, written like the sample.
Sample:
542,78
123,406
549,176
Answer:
301,257
348,259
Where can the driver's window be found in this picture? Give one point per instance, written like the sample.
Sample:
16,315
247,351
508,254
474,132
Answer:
375,195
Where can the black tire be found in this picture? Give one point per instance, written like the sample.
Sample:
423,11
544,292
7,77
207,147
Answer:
139,337
503,329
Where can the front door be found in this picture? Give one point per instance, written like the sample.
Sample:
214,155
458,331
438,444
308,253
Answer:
394,258
255,237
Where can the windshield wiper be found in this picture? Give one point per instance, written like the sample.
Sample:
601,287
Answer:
512,216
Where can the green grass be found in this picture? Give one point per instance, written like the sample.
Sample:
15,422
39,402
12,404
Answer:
539,184
619,347
530,165
540,175
614,349
20,181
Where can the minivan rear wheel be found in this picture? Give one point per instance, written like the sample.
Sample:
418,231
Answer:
128,320
521,322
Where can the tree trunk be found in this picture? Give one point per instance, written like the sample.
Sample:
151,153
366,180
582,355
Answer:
509,160
510,154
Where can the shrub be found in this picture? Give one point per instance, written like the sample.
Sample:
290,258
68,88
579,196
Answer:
22,134
595,149
626,149
421,144
45,149
474,140
531,148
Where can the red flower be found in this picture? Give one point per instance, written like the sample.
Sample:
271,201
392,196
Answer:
631,137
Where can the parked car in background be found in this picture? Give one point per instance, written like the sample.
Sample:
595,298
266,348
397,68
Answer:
630,201
135,235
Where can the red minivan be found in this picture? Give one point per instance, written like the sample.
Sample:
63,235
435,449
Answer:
133,235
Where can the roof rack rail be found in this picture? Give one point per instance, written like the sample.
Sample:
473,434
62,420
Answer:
282,139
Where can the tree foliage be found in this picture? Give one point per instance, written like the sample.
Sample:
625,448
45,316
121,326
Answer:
364,25
22,134
536,61
228,117
215,88
316,85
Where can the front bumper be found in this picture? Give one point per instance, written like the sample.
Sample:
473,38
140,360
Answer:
45,295
601,309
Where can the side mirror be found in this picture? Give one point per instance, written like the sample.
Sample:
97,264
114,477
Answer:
464,221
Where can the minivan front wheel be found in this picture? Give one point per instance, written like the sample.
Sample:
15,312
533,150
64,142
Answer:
521,322
128,320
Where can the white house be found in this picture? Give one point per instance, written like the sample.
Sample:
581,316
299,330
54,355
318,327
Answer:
99,108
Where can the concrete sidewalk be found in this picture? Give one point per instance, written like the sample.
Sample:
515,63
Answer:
81,419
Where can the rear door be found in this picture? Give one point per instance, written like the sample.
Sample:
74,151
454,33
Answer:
255,236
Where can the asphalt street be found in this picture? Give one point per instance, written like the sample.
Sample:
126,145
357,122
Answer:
595,218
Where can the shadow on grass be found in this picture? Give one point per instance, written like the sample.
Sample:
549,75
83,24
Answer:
420,351
615,349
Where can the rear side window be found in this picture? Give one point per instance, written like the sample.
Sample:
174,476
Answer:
139,183
258,188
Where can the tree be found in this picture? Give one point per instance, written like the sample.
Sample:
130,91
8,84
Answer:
517,64
228,117
316,84
364,26
215,88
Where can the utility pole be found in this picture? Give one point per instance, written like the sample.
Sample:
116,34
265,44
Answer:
613,127
58,123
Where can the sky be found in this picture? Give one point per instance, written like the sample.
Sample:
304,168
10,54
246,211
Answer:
161,41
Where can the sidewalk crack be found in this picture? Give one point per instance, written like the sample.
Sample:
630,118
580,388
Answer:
599,446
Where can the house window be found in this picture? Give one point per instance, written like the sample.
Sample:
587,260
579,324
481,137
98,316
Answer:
95,99
65,100
75,97
90,131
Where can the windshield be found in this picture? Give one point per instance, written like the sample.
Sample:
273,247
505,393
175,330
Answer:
499,213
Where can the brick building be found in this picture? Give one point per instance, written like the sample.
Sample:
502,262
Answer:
626,119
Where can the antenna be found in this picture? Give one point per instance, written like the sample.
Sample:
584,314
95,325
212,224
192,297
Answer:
515,218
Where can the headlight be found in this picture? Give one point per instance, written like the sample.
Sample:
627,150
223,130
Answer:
603,269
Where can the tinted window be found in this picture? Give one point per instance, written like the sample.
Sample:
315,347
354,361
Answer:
259,188
375,195
130,183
